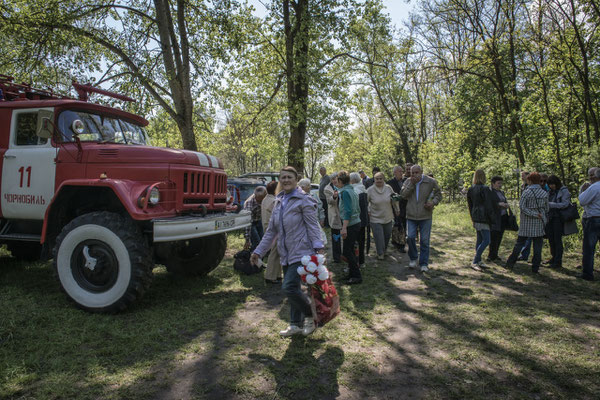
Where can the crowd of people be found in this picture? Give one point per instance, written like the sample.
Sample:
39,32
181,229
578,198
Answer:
288,221
546,211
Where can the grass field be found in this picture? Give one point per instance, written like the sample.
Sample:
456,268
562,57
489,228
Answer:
449,333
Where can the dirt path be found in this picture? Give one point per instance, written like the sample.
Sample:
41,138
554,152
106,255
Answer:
398,361
448,333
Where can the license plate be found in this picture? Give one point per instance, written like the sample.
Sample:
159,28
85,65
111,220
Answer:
224,224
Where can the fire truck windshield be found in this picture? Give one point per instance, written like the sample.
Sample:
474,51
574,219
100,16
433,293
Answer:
99,128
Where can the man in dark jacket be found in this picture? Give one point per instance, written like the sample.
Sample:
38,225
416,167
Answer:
322,184
498,225
399,230
369,182
481,209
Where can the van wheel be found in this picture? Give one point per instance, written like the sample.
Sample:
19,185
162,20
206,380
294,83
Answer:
102,262
25,251
197,257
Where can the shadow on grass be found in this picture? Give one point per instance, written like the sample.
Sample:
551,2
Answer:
463,310
300,374
453,333
56,350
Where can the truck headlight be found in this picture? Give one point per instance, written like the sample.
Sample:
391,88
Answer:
154,196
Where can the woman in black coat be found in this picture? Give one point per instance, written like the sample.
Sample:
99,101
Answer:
481,208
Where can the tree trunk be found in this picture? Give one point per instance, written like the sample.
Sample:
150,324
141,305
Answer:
176,61
515,125
296,51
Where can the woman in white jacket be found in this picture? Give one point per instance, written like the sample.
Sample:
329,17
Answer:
381,213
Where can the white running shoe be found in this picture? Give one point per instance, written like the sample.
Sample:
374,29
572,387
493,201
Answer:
290,331
475,267
424,268
412,264
309,326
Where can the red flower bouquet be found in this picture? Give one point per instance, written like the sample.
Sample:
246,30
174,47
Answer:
325,302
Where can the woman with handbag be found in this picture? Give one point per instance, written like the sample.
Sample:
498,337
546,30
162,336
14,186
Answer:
534,215
294,224
481,209
559,199
500,221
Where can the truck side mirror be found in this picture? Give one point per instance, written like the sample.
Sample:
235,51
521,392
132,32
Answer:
45,127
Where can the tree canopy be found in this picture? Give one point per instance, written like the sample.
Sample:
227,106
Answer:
504,85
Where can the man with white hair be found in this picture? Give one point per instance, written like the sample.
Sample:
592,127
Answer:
304,184
422,194
590,201
255,231
591,179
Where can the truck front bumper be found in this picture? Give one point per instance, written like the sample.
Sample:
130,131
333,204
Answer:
190,227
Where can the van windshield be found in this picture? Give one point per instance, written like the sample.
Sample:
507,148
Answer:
99,128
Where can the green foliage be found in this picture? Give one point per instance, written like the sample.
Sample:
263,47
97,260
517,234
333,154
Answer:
467,84
451,166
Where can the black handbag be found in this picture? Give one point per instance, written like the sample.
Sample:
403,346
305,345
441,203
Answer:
242,263
511,222
570,213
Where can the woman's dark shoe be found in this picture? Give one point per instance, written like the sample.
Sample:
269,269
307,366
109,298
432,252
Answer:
353,281
273,282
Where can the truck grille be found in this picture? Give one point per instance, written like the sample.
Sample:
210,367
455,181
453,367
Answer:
201,188
196,182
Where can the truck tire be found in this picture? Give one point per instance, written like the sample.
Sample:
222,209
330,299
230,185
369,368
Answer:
25,251
102,262
197,257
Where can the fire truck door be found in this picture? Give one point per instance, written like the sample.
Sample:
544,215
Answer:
28,169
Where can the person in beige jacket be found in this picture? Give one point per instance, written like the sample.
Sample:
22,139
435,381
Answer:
335,222
273,271
422,194
381,213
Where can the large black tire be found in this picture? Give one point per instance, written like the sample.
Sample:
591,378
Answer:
25,251
103,262
197,257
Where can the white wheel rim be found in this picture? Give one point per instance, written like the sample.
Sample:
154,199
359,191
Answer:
70,285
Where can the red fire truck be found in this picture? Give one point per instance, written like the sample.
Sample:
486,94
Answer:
81,185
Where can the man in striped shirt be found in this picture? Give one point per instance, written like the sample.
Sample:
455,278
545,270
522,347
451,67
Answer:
255,231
